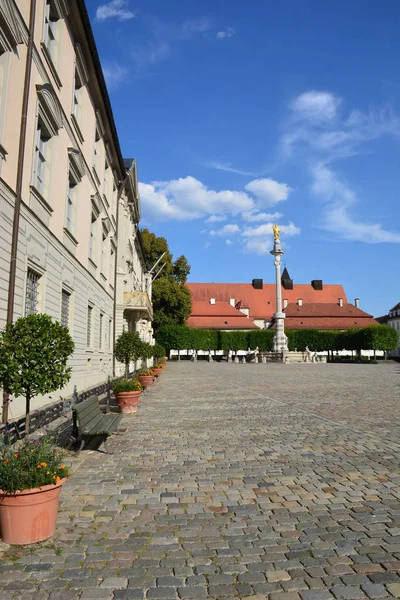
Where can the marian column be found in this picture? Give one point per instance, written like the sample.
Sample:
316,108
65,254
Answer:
280,339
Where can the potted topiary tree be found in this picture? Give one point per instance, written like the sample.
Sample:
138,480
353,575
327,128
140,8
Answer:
129,348
34,352
127,394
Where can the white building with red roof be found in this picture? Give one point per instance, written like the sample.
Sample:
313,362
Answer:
250,305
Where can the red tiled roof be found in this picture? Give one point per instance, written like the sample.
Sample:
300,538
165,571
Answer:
319,309
327,322
261,303
227,322
219,309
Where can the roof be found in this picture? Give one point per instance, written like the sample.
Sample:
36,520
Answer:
328,309
219,309
382,320
396,307
221,315
327,322
261,303
217,322
128,163
285,274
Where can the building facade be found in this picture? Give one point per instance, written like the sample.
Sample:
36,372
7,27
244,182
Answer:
315,305
60,161
393,320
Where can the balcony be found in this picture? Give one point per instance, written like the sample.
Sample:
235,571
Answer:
139,301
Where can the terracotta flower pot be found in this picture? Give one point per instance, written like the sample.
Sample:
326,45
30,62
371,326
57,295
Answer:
29,516
157,371
146,381
128,401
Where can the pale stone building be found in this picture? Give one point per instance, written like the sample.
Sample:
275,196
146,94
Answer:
60,161
393,320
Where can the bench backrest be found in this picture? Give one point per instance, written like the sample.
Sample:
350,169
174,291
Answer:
86,411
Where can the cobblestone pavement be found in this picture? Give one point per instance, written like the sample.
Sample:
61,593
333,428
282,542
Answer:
233,481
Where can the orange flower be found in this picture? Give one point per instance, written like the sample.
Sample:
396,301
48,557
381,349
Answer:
57,478
43,464
62,467
39,466
5,462
47,472
16,455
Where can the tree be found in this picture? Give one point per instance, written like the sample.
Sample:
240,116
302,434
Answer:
181,269
129,348
378,337
172,301
34,352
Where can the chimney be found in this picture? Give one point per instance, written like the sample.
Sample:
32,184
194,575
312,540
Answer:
232,301
317,284
340,301
257,284
357,302
300,302
285,303
212,300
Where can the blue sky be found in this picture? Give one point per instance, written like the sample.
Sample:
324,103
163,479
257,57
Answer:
242,114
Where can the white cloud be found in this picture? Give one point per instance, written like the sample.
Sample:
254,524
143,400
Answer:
188,198
114,75
268,192
228,242
225,230
227,167
316,106
115,8
338,198
165,38
226,33
254,216
216,218
257,246
266,230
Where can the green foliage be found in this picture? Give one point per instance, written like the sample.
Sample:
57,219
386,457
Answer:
234,340
172,302
181,269
147,351
158,351
205,339
261,339
32,464
378,337
175,337
34,352
129,348
127,385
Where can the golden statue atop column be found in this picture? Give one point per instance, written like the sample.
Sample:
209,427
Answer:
276,231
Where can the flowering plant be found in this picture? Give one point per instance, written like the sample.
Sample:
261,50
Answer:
145,373
31,463
127,385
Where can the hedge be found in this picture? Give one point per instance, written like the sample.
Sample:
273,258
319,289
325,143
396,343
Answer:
373,337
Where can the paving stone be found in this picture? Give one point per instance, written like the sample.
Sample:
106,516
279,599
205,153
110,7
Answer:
347,592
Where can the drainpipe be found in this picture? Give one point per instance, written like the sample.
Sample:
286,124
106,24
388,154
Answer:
120,190
18,187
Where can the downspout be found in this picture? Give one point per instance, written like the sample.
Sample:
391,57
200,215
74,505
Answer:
18,188
120,190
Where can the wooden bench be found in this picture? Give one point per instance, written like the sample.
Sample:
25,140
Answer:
89,422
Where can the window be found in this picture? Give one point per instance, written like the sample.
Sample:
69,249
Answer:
110,334
112,266
96,150
42,160
32,292
104,252
89,326
78,98
50,33
92,247
101,331
106,181
65,298
114,201
71,205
